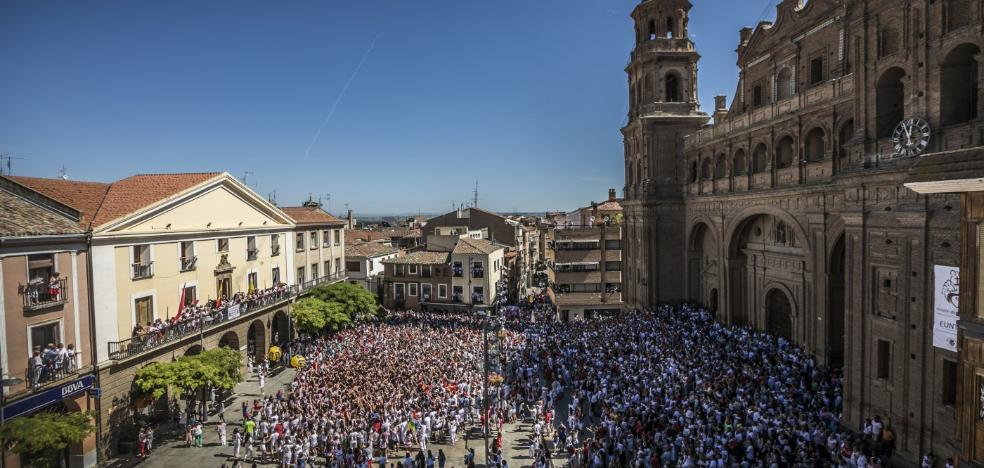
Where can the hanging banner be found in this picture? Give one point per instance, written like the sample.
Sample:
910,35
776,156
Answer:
945,302
233,312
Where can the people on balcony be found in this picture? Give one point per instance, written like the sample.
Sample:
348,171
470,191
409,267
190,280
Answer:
195,315
40,290
51,363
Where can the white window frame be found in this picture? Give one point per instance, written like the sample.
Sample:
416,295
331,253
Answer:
314,245
150,253
442,287
194,248
414,270
61,334
272,276
399,284
427,289
412,289
325,239
228,244
337,237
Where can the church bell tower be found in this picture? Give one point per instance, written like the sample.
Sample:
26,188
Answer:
663,108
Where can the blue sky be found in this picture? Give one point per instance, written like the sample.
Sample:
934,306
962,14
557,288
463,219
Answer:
526,96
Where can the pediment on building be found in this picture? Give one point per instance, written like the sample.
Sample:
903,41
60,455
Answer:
222,203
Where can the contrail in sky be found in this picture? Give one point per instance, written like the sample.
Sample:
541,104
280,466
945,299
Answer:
340,96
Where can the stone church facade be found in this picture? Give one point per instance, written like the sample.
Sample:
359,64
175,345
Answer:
788,213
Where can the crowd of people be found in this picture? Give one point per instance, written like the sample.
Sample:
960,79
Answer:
197,314
375,390
647,388
674,387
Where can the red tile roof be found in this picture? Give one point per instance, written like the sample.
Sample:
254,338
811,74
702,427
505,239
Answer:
133,193
362,235
310,215
83,196
101,202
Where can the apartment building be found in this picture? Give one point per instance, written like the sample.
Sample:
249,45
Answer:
318,242
45,326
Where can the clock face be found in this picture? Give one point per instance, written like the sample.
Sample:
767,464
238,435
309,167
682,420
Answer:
911,137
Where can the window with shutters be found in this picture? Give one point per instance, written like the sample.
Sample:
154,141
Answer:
143,308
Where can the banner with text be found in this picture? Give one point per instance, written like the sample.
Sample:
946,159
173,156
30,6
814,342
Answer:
946,299
233,312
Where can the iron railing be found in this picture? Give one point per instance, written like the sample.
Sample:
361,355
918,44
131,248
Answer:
143,270
51,370
44,294
202,319
189,263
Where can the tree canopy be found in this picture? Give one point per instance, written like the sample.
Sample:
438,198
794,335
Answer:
314,315
219,368
357,303
44,435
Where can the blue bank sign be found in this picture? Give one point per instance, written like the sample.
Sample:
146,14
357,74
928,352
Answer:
47,397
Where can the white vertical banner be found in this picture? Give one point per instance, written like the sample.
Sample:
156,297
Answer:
945,301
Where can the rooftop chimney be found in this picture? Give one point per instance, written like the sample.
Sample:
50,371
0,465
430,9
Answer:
611,194
349,217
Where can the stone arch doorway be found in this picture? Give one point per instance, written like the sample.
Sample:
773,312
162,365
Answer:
779,314
701,264
229,340
256,340
764,248
280,328
836,300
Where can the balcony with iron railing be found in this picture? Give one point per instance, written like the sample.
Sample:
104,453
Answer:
141,270
46,370
203,318
44,294
189,263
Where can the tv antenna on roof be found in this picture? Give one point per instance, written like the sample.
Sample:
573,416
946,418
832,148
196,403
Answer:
325,196
475,195
63,173
245,175
5,159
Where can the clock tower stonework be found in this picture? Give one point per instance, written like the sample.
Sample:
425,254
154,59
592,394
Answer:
663,108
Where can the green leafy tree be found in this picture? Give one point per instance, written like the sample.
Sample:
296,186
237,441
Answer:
309,314
227,364
44,436
357,303
335,316
215,368
155,378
